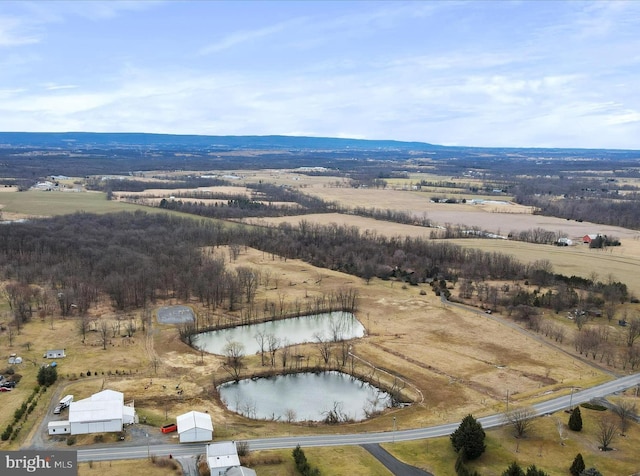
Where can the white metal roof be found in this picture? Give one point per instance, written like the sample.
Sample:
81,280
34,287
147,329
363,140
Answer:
192,420
88,410
222,455
101,406
107,395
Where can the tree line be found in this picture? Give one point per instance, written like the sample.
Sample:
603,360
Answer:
135,258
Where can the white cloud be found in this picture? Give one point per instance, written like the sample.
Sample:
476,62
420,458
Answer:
14,32
246,36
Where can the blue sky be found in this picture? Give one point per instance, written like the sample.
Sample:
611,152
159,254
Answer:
502,73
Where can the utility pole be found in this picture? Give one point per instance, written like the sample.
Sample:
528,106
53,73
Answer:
394,429
571,400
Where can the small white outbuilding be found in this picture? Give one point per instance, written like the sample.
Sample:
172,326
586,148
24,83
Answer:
62,427
221,457
194,426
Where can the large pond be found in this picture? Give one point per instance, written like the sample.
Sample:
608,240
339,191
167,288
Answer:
304,397
332,326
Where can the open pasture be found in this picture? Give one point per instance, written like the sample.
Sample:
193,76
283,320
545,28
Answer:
36,203
621,262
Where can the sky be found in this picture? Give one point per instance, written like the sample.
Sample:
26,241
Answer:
473,73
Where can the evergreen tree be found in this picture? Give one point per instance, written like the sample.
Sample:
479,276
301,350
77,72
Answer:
47,376
469,437
577,466
514,469
575,420
533,471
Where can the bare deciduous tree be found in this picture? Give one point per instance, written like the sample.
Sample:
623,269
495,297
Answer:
521,419
234,351
606,432
633,330
261,339
83,327
103,332
273,344
324,347
626,412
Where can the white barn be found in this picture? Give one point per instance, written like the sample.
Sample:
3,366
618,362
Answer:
54,354
100,413
221,457
194,426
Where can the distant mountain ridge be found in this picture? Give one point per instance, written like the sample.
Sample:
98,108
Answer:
134,139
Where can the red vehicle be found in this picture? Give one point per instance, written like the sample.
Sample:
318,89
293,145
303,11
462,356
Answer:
7,389
171,427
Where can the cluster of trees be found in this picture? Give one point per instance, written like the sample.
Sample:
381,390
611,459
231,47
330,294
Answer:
468,442
168,183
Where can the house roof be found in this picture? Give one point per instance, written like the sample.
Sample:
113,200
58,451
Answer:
222,455
239,471
194,419
55,350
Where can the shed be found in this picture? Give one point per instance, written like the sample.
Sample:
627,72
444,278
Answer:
62,427
589,238
54,354
222,456
195,426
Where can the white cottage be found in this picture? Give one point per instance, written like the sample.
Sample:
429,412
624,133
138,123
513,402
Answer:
194,426
222,456
54,354
100,413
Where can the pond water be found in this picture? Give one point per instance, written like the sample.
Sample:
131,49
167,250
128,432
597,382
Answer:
304,397
333,326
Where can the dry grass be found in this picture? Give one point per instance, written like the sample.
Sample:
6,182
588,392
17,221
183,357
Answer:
333,460
622,262
542,448
124,468
453,362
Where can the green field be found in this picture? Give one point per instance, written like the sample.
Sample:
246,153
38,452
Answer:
40,203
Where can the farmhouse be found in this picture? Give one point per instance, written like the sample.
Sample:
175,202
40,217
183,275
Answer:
102,412
194,426
54,354
221,457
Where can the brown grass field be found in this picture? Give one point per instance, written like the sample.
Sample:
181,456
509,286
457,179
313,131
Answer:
454,361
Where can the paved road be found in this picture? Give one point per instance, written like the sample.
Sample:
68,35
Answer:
117,451
397,467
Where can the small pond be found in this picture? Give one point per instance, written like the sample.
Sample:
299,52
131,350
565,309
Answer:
295,330
304,397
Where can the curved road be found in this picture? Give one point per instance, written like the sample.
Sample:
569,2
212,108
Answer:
115,451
